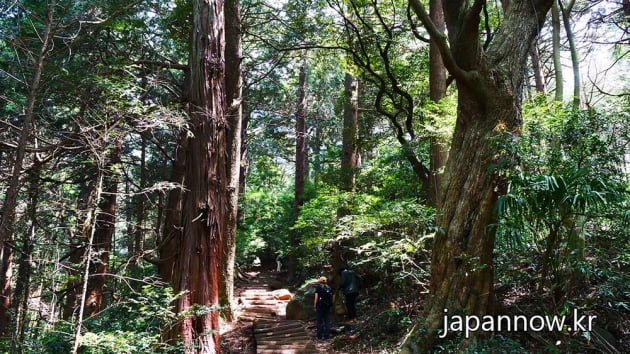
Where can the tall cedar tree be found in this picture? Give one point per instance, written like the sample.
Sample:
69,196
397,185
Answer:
301,159
199,255
7,219
234,116
490,84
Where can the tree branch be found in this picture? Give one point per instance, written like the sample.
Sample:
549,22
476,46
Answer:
440,39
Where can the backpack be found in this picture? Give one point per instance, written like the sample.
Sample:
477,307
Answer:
325,299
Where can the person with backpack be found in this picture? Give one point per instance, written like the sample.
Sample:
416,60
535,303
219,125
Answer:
323,305
279,261
350,285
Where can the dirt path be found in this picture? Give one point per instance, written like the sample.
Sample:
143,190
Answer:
263,309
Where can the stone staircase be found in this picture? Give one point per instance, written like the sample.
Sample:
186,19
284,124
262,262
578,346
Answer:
266,310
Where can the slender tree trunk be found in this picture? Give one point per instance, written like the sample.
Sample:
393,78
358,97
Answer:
539,78
77,250
300,158
553,240
350,133
315,167
557,59
86,272
101,244
437,91
349,162
7,221
234,116
129,241
140,198
575,58
25,262
200,249
244,170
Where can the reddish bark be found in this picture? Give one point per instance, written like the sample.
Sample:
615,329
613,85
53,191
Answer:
200,249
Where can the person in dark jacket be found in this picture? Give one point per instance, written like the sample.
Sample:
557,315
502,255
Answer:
350,285
323,306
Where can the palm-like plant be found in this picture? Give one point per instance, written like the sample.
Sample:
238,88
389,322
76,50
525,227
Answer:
570,176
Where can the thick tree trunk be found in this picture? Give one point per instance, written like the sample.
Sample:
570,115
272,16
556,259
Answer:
490,88
234,116
7,219
200,249
461,265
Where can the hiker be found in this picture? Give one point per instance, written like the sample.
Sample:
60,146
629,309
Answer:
279,261
349,285
323,306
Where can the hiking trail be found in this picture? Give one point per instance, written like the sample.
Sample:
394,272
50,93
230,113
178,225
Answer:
265,309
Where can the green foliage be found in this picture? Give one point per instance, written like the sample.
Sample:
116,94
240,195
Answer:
133,325
267,213
570,164
389,174
386,237
129,326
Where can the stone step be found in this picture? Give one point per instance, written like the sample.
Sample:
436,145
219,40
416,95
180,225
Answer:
281,331
278,324
268,302
255,318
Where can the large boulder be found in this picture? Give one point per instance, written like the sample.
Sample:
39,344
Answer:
301,305
282,294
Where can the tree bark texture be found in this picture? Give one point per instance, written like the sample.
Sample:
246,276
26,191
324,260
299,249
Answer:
234,116
490,88
200,249
173,224
438,153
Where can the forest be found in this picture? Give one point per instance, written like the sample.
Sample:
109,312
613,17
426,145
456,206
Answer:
469,159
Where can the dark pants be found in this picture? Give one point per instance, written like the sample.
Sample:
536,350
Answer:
351,305
323,322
